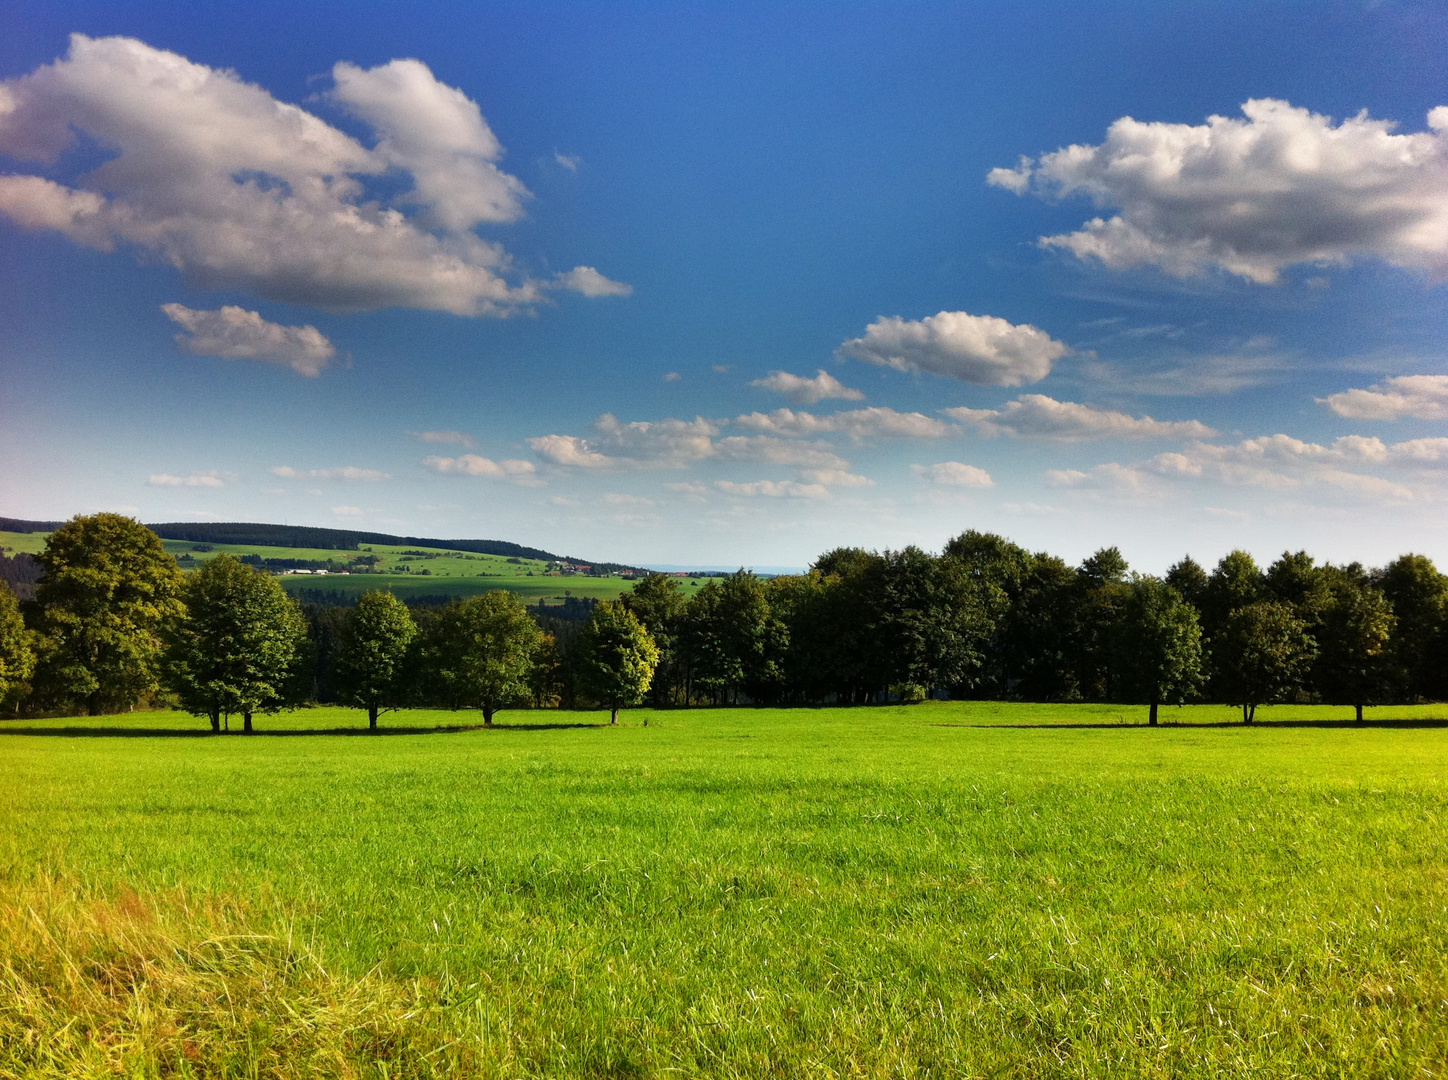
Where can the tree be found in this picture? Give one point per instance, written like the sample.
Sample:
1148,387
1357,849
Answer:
1158,646
108,591
480,653
1353,660
240,647
1418,594
1263,653
660,604
1190,580
1101,582
371,665
618,657
17,654
1234,583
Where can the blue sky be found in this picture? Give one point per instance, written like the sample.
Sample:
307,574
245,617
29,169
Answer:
733,283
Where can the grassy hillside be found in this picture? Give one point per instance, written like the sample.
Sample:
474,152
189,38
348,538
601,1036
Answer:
949,890
407,571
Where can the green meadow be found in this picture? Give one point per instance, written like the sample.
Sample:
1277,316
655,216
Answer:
951,889
399,569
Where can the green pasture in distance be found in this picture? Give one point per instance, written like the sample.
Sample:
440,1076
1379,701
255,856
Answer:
951,889
14,543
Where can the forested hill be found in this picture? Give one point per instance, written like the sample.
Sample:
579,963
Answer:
304,536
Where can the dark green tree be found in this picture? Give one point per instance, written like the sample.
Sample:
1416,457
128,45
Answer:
480,653
1190,580
1234,582
372,660
239,648
1355,628
1103,594
17,652
1263,654
1043,631
660,604
1158,646
1418,594
618,657
109,590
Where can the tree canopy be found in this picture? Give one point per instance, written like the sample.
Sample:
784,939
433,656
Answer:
371,664
480,653
619,657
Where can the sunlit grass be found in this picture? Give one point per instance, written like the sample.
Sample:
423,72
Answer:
858,892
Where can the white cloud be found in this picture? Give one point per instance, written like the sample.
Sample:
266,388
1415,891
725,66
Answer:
954,474
237,334
1424,397
803,391
978,349
1036,416
446,438
237,190
589,282
341,472
1252,196
209,479
568,161
772,450
1279,463
836,478
643,444
876,422
672,376
773,489
617,498
347,511
520,472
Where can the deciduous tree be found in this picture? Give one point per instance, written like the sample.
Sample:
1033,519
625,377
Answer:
1263,654
371,665
618,657
1158,646
1353,662
17,654
480,653
240,646
108,591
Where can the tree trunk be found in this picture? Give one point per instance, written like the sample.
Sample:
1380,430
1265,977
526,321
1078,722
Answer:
372,718
1152,715
93,704
1359,709
246,722
1246,713
488,711
613,717
215,719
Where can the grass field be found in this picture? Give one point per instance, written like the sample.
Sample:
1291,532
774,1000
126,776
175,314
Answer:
449,572
953,889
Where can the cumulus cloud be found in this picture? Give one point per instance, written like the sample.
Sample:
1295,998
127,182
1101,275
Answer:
978,349
672,376
1252,196
209,479
1424,397
234,333
1036,416
238,190
351,473
773,489
836,478
954,474
1279,463
803,391
876,422
772,450
642,444
347,511
519,472
590,282
446,438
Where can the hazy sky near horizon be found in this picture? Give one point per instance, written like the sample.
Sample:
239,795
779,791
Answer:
733,283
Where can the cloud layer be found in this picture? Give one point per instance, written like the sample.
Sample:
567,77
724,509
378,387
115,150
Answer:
241,191
1423,397
350,473
804,391
1036,416
1252,196
520,472
954,474
979,349
237,334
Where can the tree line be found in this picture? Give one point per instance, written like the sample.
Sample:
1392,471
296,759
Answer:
114,622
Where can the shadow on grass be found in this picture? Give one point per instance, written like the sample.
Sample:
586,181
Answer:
207,733
1128,725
